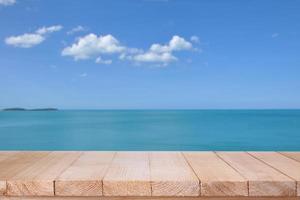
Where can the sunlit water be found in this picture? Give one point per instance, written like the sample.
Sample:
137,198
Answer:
151,130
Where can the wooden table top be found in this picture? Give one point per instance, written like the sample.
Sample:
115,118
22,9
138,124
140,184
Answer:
149,174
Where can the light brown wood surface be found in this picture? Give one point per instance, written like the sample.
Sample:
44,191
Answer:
3,156
128,175
217,177
282,163
15,162
84,176
2,187
172,176
149,198
293,155
149,175
38,178
263,179
7,154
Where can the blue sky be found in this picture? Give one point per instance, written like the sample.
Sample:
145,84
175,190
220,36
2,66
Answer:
150,54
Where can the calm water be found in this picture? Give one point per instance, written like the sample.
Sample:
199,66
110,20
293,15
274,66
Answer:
151,130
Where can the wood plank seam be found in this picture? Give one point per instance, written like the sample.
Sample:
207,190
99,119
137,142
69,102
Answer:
234,170
128,175
65,170
199,181
54,187
38,179
295,156
37,159
218,179
296,182
175,178
115,153
274,169
97,181
147,198
150,172
288,156
186,159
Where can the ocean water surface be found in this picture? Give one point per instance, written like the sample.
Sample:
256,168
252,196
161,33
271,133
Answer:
150,130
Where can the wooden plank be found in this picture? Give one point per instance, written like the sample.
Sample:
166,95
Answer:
84,177
282,163
133,174
149,198
38,179
128,175
13,162
293,155
263,180
18,162
4,155
2,187
172,176
217,177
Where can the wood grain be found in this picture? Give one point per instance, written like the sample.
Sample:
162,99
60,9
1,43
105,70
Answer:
14,162
149,175
2,187
38,179
3,156
172,176
263,180
149,198
282,163
84,176
217,177
128,175
6,154
293,155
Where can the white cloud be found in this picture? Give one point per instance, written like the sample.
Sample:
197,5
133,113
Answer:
195,39
25,41
76,29
28,40
7,2
163,53
178,43
165,57
99,60
50,29
175,44
92,45
274,35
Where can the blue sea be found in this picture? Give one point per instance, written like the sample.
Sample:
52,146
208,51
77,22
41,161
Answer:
151,130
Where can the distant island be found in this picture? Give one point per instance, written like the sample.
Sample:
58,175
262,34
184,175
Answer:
35,109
